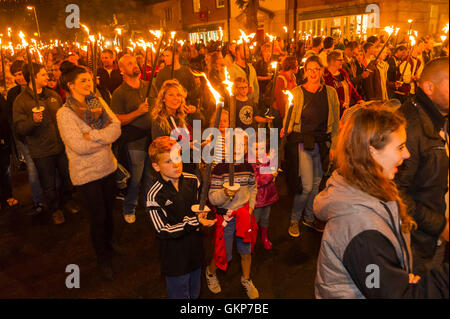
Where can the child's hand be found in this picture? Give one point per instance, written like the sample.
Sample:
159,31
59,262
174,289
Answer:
204,221
250,210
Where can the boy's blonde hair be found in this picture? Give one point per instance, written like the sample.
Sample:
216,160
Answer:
159,146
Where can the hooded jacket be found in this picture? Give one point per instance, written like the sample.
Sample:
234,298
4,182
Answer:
422,179
363,253
42,138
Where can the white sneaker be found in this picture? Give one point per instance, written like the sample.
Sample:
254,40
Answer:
250,288
213,282
130,218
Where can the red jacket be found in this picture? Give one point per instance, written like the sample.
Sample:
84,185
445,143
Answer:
246,228
267,189
333,82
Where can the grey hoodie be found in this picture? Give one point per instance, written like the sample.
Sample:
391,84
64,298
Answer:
348,212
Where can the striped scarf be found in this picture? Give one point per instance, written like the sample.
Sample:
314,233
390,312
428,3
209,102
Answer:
92,112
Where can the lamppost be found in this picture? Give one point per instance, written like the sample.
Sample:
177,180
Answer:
35,17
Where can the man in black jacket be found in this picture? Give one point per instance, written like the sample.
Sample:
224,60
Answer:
423,178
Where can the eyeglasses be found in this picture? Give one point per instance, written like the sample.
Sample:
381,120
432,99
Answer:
242,87
313,70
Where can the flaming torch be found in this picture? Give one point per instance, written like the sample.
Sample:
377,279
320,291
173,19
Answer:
201,207
229,85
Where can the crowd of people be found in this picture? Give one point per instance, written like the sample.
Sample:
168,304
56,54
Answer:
363,147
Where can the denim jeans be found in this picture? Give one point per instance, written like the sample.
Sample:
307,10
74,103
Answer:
138,160
311,173
49,168
185,286
33,177
262,215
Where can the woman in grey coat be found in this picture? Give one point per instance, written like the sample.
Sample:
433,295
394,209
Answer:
365,250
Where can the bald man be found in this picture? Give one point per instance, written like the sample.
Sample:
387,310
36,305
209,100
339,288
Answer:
129,103
423,178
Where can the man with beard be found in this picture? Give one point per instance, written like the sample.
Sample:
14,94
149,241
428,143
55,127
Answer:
129,103
423,178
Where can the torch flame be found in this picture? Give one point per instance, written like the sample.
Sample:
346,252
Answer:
85,28
271,37
274,65
389,30
156,33
228,83
22,36
412,40
445,29
119,31
172,34
92,38
285,29
410,20
290,96
245,37
213,91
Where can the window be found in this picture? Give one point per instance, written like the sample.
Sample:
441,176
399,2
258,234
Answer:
196,5
220,3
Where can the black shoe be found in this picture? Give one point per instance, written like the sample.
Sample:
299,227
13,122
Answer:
36,210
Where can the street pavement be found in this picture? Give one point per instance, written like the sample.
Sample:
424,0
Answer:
34,254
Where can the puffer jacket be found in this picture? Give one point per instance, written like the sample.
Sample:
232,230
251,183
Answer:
363,253
423,178
267,189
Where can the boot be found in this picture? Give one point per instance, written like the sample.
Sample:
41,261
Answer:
266,242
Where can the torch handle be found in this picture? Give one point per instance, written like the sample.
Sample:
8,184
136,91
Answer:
3,67
206,177
384,46
232,126
33,81
154,65
145,63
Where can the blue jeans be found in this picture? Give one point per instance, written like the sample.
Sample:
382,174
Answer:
138,160
311,173
184,286
229,233
33,177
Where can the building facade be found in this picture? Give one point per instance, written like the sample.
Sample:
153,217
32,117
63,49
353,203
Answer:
358,18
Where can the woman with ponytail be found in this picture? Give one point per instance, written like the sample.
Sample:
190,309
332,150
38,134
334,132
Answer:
88,128
365,250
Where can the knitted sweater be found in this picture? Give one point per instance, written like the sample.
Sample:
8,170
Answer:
89,160
243,175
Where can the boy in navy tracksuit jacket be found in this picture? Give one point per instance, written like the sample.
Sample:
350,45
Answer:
169,202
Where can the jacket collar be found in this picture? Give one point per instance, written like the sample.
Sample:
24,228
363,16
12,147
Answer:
430,108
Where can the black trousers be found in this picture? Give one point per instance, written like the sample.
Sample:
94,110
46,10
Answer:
99,201
49,168
5,177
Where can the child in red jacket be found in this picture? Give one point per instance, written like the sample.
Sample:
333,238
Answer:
267,195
